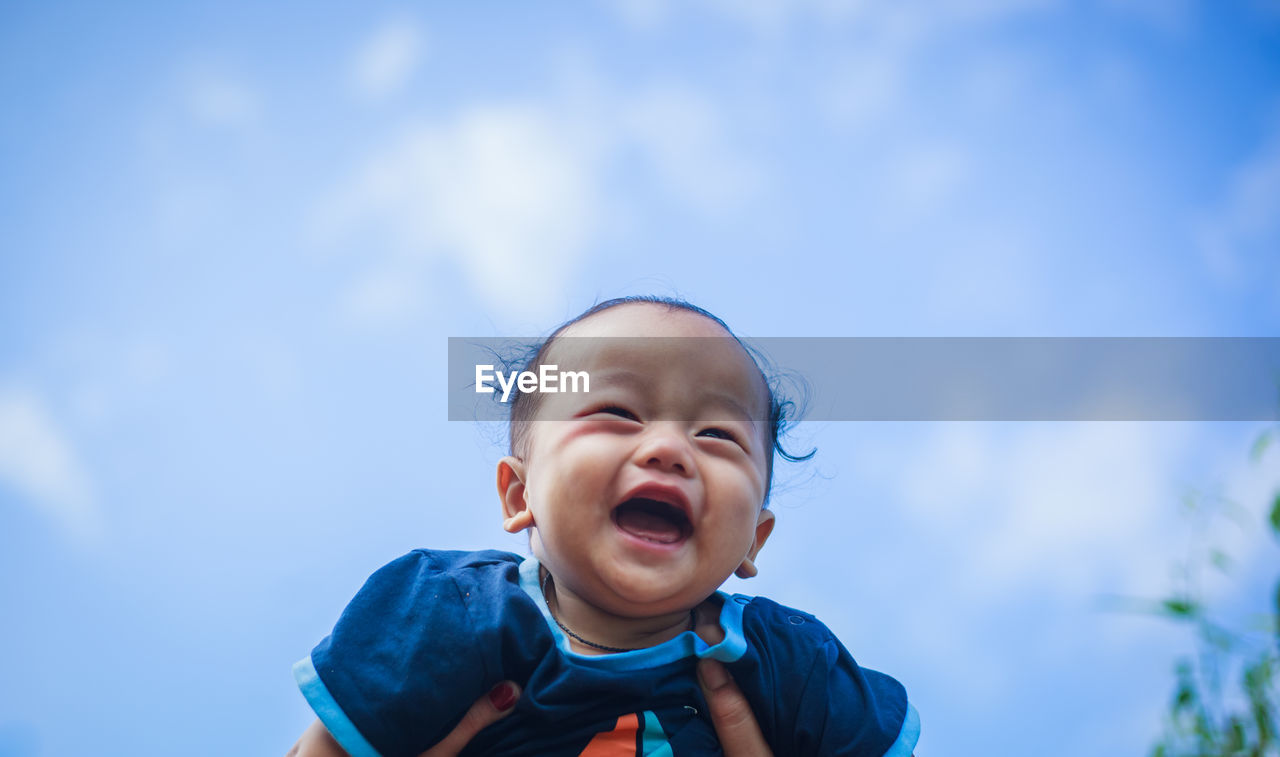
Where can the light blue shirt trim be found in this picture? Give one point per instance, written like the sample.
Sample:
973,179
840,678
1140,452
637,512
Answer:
327,709
686,644
908,736
653,739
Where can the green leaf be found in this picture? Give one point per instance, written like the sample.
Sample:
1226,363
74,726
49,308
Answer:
1204,719
1184,698
1235,735
1181,608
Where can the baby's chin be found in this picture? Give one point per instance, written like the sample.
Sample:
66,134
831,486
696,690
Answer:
646,596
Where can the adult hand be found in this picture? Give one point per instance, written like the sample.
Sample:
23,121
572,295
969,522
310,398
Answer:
735,723
488,709
731,714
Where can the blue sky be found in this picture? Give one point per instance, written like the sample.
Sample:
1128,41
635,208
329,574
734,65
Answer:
236,239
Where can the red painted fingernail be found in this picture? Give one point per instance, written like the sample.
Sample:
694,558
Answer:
503,696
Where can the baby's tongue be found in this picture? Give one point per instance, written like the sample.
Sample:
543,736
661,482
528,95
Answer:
647,525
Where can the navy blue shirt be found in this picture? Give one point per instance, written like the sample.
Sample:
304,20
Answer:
432,632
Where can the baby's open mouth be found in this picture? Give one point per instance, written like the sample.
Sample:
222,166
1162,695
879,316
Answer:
653,520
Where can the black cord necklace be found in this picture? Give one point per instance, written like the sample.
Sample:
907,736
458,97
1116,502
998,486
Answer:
693,623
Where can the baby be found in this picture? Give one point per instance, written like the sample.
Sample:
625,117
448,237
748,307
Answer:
641,496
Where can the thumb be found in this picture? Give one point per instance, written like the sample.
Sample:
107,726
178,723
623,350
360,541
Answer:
735,723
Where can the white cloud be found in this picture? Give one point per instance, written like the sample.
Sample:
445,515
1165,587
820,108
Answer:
1086,502
509,194
385,62
38,461
1081,508
1042,523
503,192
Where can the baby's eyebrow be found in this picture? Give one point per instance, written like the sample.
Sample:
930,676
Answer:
623,376
726,400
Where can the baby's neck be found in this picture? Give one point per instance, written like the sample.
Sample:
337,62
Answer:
618,633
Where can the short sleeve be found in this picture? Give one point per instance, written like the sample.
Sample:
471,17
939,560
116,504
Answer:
848,710
403,662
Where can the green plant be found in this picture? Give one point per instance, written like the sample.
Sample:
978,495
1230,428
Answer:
1206,719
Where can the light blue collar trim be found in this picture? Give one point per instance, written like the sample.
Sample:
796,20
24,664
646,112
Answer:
687,644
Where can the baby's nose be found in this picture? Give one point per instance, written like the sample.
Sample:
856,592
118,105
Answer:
667,450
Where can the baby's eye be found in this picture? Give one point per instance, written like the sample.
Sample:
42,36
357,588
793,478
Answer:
718,433
617,410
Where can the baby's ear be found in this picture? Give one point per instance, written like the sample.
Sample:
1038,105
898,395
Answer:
516,515
764,527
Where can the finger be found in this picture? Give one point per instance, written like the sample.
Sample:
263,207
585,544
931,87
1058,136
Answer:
488,709
731,714
316,741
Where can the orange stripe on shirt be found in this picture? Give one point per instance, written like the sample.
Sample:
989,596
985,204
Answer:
620,742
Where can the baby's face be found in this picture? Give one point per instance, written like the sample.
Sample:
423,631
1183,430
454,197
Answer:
645,494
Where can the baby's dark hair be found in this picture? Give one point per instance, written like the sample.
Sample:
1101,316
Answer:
783,411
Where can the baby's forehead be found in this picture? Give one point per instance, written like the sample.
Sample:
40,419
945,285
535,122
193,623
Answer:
646,319
642,346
